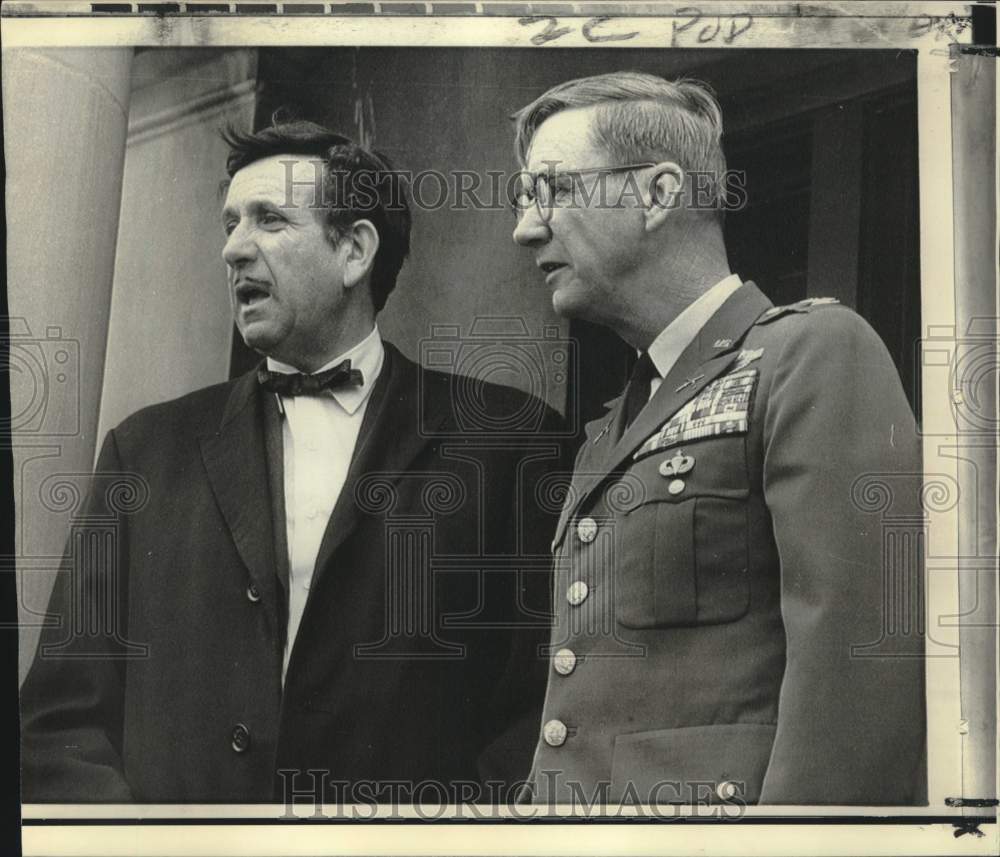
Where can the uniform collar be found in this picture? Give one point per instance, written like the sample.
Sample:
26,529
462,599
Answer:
368,356
680,333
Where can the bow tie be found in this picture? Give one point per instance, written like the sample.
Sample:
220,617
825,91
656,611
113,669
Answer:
297,384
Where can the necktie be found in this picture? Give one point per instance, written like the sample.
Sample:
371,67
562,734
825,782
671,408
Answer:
297,384
637,391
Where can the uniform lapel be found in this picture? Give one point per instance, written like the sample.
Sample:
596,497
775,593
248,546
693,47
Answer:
235,458
599,436
394,429
699,364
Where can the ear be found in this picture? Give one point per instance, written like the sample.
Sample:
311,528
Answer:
361,243
666,194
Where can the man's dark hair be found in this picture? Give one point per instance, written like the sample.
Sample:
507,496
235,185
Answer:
357,185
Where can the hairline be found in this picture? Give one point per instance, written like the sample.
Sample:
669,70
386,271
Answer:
323,213
597,108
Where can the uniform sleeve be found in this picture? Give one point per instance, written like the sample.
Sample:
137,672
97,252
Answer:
72,698
851,715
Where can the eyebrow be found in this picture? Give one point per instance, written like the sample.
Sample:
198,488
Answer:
254,206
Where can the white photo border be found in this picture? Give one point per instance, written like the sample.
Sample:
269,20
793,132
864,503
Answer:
932,29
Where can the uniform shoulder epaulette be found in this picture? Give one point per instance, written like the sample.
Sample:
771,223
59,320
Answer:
799,306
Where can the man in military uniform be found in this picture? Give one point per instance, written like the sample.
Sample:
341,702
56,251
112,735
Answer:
717,590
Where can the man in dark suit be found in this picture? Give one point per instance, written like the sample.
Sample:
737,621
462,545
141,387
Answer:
314,580
720,629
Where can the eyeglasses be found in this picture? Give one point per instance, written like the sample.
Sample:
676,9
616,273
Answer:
551,188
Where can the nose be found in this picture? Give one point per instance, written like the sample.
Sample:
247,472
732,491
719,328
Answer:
531,230
239,247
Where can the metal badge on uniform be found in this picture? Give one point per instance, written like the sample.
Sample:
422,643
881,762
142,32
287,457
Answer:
746,357
602,432
678,465
722,343
721,408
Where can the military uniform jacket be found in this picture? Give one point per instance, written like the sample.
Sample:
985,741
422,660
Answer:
406,668
720,631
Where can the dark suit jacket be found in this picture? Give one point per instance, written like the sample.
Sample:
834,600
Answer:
406,666
755,618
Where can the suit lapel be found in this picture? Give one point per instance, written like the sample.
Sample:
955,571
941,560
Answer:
275,445
699,364
394,430
236,461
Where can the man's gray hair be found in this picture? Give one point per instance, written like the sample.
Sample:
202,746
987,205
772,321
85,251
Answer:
640,117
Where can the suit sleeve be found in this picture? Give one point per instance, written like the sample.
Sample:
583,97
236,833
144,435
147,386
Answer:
72,699
851,714
519,694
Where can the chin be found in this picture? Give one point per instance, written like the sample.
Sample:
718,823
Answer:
569,304
261,339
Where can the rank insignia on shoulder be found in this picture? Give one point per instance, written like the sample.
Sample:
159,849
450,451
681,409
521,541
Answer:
799,306
723,407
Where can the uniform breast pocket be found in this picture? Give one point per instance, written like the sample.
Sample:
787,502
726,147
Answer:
681,546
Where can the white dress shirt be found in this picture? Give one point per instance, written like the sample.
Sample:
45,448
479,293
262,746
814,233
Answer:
319,434
680,333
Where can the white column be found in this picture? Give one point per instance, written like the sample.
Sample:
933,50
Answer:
65,120
171,326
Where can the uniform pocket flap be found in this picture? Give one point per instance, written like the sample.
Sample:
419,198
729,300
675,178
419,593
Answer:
693,764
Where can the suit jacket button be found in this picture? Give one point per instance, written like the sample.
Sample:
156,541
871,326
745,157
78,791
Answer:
676,486
727,790
253,593
577,592
586,530
241,738
555,733
564,661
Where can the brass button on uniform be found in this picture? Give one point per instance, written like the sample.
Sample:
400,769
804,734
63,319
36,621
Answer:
253,593
577,592
554,733
676,486
727,790
564,661
586,530
240,738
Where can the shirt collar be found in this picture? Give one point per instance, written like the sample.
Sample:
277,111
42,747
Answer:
368,356
680,333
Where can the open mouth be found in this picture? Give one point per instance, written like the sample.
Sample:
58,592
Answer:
250,291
